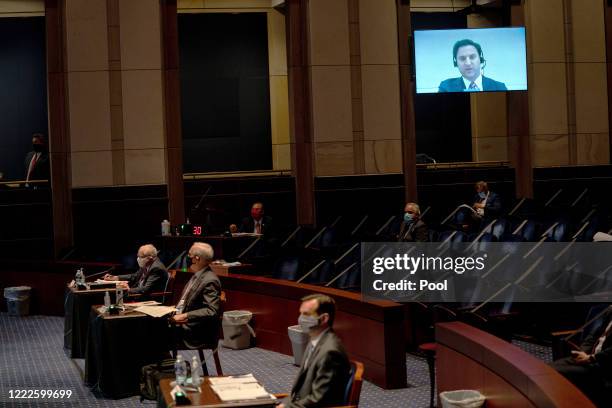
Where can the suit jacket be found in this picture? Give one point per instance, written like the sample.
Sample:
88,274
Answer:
457,85
493,205
155,279
203,308
41,168
323,382
248,225
604,357
413,232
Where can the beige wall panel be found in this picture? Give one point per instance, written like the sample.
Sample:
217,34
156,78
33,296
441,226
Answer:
381,103
331,104
279,109
378,31
143,124
490,148
545,30
589,37
547,99
489,114
549,150
277,43
140,34
224,3
591,98
435,4
382,156
145,166
22,6
281,157
92,169
86,35
329,32
593,148
89,105
334,159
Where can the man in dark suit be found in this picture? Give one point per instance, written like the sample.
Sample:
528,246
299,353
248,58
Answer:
590,368
468,57
37,161
198,311
150,277
324,372
257,223
412,228
486,202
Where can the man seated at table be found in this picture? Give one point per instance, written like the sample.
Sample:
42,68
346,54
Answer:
412,228
198,310
257,223
150,277
324,372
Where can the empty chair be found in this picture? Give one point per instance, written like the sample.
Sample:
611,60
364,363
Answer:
287,268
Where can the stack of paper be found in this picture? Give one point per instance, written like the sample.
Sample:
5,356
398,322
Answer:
156,311
238,388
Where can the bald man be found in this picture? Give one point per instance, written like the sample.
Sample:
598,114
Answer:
150,277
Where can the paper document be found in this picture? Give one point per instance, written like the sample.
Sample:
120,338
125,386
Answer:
145,303
238,388
156,311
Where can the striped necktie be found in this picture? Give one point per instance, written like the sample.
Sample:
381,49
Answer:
473,87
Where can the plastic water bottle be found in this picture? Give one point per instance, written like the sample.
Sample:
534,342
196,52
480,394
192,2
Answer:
106,300
180,370
79,278
165,228
119,294
195,371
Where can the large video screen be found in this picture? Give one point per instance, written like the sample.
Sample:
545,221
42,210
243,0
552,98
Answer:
470,60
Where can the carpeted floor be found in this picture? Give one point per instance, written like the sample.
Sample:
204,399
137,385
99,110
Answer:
32,357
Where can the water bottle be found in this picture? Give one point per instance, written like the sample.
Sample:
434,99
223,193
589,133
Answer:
180,370
195,371
79,278
119,294
106,300
165,228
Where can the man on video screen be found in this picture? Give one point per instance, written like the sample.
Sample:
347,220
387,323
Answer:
468,57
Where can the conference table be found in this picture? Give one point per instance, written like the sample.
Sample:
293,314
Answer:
119,346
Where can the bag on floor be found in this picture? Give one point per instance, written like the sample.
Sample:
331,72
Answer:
150,376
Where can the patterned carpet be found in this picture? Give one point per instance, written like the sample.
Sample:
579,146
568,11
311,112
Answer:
32,357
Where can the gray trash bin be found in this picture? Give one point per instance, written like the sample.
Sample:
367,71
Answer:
236,330
462,399
18,300
299,342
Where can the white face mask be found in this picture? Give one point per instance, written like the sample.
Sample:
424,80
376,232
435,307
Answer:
307,323
142,261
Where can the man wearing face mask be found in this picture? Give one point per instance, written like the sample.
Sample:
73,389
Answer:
412,228
486,203
150,277
198,310
324,372
37,161
257,223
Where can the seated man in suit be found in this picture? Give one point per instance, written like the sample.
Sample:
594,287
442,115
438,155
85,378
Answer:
468,57
257,223
486,203
590,368
412,228
150,277
37,160
324,373
198,311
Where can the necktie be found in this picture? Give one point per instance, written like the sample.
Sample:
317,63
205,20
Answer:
181,303
599,344
473,87
258,227
307,355
32,165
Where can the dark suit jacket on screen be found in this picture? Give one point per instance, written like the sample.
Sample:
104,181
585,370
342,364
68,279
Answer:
203,308
41,168
413,232
155,279
457,85
323,382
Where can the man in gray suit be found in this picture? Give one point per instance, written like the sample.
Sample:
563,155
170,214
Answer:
150,277
198,311
324,373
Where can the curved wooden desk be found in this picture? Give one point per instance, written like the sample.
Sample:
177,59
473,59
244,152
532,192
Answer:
468,358
372,331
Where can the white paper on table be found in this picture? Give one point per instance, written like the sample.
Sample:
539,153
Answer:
156,311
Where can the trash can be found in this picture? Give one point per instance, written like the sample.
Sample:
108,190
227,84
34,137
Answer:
462,399
18,300
299,342
236,330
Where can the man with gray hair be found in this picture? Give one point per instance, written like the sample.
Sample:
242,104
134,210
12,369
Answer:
198,310
412,228
150,277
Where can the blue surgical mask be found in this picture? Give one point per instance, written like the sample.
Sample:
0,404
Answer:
408,217
307,323
482,195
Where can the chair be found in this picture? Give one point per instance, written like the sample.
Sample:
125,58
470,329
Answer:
213,346
353,386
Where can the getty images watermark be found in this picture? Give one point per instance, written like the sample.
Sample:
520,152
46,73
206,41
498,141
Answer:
487,272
